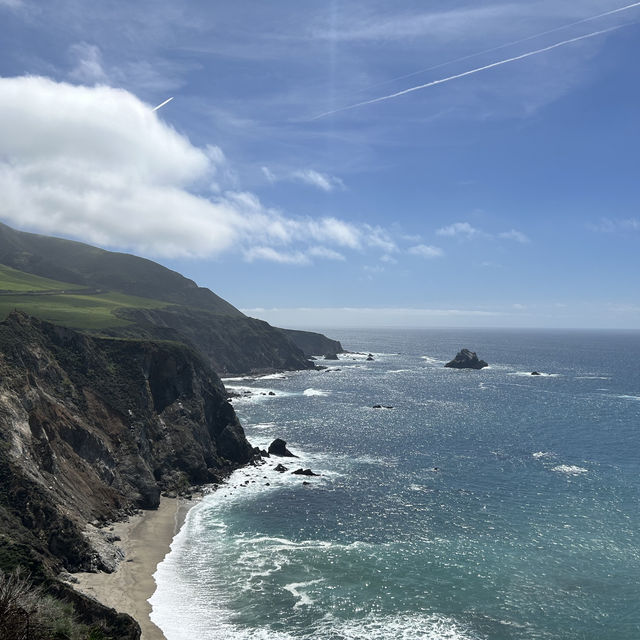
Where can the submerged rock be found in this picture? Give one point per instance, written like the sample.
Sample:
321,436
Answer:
466,359
536,373
279,448
382,406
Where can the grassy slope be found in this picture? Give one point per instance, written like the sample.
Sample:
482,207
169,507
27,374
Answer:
43,298
84,265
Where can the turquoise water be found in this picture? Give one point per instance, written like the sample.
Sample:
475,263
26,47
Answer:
486,504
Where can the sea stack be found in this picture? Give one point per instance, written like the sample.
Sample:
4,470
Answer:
466,360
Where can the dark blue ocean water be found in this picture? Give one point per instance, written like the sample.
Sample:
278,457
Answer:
486,504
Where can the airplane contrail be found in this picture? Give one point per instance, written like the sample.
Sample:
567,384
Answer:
162,104
510,44
471,71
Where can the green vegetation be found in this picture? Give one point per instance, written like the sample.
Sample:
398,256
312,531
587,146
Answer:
14,280
90,267
28,613
78,311
56,301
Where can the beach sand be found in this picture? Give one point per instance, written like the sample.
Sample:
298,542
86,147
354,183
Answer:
145,540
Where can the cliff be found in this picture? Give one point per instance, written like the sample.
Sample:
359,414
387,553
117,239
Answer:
74,284
231,345
94,428
313,344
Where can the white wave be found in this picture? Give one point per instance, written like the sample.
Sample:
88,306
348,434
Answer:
399,627
570,469
542,454
314,392
628,397
236,379
400,371
593,377
431,360
273,376
541,374
294,588
260,425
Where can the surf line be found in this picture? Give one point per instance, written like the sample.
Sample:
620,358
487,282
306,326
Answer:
457,76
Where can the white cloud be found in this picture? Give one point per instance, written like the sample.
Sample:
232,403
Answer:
517,236
336,231
380,239
322,181
272,255
459,229
268,174
326,253
97,164
615,225
88,63
426,251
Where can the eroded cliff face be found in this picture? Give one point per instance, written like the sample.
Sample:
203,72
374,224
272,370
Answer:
92,428
231,345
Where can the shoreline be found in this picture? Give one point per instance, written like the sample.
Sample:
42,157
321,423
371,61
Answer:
145,540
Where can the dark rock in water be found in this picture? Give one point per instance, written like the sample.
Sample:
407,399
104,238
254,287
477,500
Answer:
279,448
382,406
271,393
331,356
466,360
304,472
370,358
536,373
280,468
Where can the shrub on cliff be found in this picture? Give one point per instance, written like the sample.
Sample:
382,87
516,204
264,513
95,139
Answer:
27,613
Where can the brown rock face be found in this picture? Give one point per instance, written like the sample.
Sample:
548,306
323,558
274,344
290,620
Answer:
93,428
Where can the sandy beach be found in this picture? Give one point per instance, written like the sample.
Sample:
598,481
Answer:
145,540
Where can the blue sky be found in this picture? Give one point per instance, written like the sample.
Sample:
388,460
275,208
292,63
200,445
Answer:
506,197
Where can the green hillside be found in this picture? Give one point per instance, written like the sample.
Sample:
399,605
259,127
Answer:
14,280
64,303
87,266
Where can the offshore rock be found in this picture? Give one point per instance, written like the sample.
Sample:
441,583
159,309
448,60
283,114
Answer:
304,472
279,448
466,359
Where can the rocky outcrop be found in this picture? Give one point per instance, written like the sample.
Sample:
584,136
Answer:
312,344
466,359
279,448
92,429
304,472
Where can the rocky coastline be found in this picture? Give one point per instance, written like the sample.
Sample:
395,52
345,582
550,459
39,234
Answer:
92,431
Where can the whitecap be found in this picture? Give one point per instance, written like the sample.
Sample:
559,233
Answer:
314,392
570,469
272,376
542,454
529,374
294,588
628,397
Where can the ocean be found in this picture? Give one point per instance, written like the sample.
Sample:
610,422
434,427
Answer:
486,504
